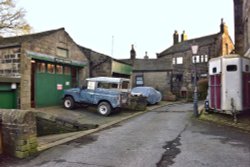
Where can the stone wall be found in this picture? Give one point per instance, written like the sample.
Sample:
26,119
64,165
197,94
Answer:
100,65
242,26
48,124
246,17
160,80
18,133
10,62
227,45
25,84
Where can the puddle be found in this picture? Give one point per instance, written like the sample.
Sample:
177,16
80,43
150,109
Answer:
171,152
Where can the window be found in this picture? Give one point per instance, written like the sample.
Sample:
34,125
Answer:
62,52
41,67
91,85
67,70
202,58
214,70
59,69
179,77
197,78
139,80
196,59
106,85
247,68
125,84
206,58
179,60
51,68
114,86
231,68
173,60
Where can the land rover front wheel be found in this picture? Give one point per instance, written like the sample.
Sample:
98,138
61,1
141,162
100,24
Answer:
104,108
69,103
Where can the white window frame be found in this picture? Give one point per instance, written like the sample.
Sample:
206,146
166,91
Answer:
139,80
206,58
197,59
179,60
202,58
62,52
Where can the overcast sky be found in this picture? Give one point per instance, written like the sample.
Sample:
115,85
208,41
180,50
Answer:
111,26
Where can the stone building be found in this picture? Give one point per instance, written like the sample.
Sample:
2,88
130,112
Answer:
242,26
104,65
179,55
42,65
150,72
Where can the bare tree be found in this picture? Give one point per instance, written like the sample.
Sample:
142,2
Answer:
12,20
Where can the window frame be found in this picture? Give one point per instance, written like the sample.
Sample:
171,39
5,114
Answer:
49,65
62,52
179,60
141,82
39,69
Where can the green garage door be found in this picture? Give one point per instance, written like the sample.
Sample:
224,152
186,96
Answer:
7,97
50,83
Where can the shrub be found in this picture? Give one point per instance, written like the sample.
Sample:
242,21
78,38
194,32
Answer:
202,88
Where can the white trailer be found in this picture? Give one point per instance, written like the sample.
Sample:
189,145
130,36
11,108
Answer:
229,85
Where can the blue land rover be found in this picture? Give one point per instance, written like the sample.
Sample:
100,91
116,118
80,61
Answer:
107,93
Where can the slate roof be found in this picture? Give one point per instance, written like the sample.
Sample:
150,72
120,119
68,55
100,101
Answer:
19,39
148,65
93,55
186,45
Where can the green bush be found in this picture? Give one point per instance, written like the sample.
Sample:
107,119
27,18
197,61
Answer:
202,88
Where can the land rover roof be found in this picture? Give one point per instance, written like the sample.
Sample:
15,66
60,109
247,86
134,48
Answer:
108,79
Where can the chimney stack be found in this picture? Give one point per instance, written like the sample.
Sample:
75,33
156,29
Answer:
176,37
223,27
132,53
183,36
146,55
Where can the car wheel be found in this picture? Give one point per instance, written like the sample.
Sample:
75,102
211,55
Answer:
69,103
104,108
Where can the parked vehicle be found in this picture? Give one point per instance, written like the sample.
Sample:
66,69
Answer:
153,96
229,85
105,92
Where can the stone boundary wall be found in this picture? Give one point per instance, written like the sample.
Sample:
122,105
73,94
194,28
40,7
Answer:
19,137
48,124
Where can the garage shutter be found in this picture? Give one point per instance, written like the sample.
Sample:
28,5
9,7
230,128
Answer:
49,88
8,98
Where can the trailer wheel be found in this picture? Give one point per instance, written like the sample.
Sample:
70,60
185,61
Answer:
206,105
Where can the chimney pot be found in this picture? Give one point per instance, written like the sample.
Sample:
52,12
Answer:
183,36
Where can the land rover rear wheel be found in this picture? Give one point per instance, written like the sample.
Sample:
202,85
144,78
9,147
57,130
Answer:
69,103
104,108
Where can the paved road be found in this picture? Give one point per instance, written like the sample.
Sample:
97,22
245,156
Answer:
165,137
